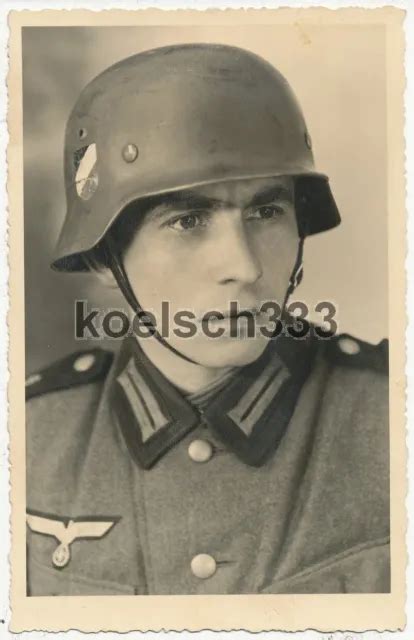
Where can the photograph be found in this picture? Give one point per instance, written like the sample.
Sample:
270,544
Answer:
206,284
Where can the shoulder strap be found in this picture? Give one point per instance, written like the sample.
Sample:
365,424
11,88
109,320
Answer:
76,369
346,350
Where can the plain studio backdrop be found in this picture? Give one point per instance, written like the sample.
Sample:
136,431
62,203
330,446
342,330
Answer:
338,74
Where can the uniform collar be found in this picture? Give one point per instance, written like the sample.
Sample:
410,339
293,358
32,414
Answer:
250,414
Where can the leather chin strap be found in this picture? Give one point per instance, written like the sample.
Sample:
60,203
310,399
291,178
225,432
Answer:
114,262
296,275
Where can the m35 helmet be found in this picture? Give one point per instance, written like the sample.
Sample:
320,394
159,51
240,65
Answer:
178,117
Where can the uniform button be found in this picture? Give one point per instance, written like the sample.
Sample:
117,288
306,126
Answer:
349,346
84,362
203,566
200,450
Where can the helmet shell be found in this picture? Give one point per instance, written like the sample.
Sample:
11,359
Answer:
174,118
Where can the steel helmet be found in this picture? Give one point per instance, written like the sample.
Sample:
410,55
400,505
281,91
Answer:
178,117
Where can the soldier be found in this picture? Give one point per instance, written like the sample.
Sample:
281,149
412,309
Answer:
203,466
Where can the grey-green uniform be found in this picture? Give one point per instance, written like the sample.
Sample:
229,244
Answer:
276,481
278,484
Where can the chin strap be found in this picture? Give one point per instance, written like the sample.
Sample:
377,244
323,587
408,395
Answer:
115,264
296,276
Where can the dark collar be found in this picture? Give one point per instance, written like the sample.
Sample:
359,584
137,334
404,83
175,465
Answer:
250,414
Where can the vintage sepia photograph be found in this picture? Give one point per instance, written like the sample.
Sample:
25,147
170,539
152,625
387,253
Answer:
206,272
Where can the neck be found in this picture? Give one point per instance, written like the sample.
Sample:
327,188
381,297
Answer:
187,376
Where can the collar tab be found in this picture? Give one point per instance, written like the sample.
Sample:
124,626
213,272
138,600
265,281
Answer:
249,415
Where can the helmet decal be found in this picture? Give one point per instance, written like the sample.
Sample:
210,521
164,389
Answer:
86,177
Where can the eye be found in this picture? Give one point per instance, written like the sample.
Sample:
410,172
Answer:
188,222
266,212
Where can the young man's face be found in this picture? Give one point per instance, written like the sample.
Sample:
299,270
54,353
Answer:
203,248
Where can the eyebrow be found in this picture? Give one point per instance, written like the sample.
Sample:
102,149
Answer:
186,200
270,194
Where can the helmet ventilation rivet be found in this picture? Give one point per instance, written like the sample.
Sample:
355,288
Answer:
83,133
308,140
130,152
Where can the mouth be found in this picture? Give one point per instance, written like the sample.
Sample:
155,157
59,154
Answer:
220,316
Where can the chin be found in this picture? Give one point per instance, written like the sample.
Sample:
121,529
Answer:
225,352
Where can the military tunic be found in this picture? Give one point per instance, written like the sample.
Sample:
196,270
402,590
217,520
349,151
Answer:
279,483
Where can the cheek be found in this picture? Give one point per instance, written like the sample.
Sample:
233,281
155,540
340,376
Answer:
156,270
278,249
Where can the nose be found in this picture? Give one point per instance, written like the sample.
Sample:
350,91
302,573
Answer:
236,259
